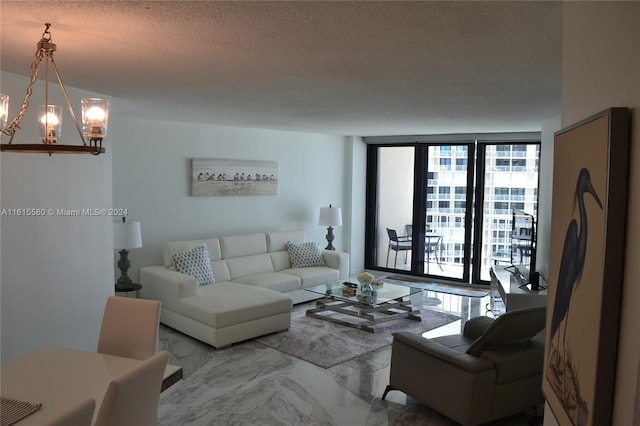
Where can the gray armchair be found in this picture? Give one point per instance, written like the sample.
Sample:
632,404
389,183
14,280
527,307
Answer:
492,370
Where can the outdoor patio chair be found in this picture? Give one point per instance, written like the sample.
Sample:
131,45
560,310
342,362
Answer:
396,243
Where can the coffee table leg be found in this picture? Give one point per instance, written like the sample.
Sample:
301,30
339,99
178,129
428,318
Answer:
333,320
365,312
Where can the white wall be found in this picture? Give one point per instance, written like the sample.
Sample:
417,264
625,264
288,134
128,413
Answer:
56,271
356,166
152,175
601,69
545,191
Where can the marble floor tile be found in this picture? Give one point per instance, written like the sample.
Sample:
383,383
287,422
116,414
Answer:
252,384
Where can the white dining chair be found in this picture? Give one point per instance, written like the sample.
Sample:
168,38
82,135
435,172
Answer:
129,327
80,414
132,398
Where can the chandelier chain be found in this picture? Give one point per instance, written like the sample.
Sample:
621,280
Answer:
11,129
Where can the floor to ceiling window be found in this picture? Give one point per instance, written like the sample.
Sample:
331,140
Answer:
444,209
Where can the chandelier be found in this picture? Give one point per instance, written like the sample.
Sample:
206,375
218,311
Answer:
95,113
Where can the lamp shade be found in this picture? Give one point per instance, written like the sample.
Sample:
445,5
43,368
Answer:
127,235
330,216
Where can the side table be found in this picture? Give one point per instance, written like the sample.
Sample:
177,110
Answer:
134,287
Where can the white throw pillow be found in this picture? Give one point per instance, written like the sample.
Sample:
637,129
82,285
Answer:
196,263
305,255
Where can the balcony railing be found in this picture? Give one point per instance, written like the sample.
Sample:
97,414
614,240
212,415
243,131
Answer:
507,154
513,169
509,197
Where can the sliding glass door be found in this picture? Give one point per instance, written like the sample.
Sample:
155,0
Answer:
447,212
444,209
510,182
421,207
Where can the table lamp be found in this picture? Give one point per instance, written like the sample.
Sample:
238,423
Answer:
330,216
126,235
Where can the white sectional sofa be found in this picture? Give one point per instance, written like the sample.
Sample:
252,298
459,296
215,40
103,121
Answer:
254,290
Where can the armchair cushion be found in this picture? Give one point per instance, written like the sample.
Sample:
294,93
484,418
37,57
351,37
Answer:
514,328
514,365
476,327
459,342
447,354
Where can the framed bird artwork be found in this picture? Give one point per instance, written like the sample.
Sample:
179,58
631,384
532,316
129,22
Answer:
590,176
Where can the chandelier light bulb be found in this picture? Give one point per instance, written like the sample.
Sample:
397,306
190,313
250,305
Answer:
95,114
49,119
4,110
50,123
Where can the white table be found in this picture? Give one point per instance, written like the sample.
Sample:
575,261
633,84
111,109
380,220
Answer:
60,377
507,291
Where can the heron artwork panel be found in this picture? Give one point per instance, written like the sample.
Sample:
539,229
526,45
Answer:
585,264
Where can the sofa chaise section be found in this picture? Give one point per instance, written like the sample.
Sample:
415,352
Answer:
227,313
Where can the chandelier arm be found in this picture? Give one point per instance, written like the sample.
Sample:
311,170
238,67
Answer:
66,97
10,130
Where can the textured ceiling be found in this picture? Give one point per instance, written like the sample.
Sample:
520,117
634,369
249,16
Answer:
348,68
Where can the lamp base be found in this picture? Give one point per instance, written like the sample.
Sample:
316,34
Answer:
124,282
125,285
330,238
134,287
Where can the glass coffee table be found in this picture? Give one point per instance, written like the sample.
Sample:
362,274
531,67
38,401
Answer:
361,309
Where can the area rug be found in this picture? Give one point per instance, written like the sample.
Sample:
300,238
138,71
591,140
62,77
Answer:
326,344
458,290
